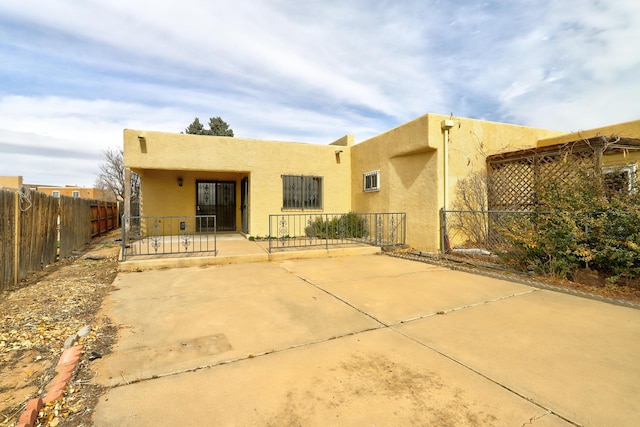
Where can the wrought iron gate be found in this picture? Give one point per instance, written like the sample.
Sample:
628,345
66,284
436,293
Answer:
244,204
216,198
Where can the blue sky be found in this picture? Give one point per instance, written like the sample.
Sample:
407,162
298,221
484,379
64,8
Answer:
74,74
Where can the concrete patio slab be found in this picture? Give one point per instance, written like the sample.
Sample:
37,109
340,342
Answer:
298,342
395,290
373,378
342,269
575,355
181,319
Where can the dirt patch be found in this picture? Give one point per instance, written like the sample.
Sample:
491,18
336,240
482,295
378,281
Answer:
38,315
420,397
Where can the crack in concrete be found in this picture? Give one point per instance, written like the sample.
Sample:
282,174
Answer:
535,418
239,359
369,315
462,307
501,274
409,273
383,325
488,378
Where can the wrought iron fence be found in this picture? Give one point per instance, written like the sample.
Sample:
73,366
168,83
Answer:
168,235
324,230
486,231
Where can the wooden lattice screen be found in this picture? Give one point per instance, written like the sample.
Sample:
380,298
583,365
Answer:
513,176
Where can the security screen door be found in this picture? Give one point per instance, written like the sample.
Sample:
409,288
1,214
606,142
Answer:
244,204
216,198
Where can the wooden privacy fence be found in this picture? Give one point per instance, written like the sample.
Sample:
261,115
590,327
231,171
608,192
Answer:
104,217
37,232
36,229
7,238
75,224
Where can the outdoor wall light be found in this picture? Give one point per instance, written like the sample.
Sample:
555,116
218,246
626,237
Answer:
141,138
180,181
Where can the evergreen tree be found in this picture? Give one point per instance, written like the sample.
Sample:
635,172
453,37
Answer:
217,127
195,128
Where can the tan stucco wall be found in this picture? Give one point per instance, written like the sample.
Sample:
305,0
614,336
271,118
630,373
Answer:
410,158
621,159
408,177
13,182
627,129
84,192
163,157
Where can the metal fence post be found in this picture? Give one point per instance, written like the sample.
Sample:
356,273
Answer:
404,228
270,236
326,229
124,229
375,227
443,230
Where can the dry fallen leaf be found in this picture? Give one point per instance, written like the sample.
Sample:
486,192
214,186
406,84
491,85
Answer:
37,316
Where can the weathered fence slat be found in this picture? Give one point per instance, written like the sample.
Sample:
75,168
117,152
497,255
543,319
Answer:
7,238
75,224
40,229
37,245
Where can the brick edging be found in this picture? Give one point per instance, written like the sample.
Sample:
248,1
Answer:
64,370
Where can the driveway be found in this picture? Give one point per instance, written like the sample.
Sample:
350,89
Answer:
362,340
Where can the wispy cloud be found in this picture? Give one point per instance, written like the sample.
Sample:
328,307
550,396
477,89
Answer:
80,72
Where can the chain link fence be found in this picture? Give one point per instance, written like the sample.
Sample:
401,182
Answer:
486,232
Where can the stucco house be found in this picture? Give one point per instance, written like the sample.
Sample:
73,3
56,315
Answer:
15,182
75,191
412,168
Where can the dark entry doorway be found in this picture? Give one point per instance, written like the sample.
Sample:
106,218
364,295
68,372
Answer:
216,198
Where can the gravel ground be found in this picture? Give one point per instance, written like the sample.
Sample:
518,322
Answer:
38,315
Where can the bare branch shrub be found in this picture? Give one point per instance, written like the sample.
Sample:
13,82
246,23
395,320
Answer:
471,195
111,176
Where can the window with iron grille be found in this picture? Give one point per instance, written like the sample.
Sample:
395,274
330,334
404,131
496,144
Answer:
301,192
75,194
372,181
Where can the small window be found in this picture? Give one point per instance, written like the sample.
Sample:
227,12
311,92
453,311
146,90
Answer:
75,194
301,192
620,179
372,181
55,193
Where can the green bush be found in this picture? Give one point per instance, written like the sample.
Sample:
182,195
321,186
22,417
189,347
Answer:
617,247
577,224
349,225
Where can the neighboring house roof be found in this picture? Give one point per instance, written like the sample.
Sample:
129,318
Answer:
514,173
